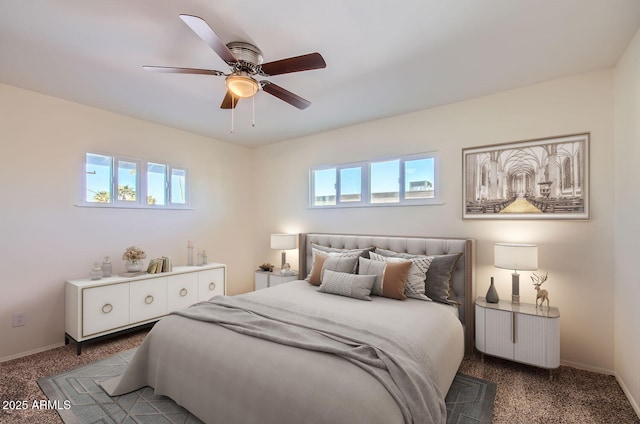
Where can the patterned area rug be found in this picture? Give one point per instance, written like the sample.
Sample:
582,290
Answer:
80,400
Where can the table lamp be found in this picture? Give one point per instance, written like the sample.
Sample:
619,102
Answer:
517,257
284,242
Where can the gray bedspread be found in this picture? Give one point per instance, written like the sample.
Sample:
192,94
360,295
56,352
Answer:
392,381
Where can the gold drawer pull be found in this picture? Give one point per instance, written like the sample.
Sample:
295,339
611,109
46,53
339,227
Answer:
107,308
183,292
212,286
149,300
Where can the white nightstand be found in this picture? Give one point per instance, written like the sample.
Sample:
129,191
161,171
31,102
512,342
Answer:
265,279
519,332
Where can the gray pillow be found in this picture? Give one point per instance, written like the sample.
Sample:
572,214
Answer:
438,283
345,284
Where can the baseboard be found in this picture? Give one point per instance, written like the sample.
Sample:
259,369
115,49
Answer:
30,352
627,393
586,367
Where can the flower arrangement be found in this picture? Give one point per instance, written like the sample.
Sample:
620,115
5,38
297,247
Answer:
133,253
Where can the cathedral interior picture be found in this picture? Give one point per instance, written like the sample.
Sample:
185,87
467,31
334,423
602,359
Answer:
534,179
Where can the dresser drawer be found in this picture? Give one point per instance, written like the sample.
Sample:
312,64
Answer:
182,291
104,308
210,283
148,299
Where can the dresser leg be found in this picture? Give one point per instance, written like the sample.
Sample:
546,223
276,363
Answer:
78,349
550,375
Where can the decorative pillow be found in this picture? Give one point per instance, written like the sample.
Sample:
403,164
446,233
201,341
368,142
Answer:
415,285
438,282
345,284
335,262
390,277
364,252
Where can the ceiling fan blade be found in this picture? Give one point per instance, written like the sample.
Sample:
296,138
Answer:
204,31
285,95
294,64
229,101
173,70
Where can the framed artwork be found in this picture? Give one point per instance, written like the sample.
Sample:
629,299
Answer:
546,178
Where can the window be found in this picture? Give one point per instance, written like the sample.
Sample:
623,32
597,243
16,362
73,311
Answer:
405,180
112,181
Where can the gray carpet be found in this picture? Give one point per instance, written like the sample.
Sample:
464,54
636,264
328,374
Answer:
79,399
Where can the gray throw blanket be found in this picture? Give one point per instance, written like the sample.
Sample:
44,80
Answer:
393,363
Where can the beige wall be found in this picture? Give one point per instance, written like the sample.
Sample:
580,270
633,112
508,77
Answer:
45,239
578,255
627,225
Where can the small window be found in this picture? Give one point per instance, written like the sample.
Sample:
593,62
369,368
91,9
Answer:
405,180
178,186
324,183
351,184
418,178
156,184
122,182
385,182
127,181
98,185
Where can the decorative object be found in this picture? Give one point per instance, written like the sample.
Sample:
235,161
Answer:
523,257
107,267
96,271
284,242
134,256
541,294
492,294
190,253
266,267
545,178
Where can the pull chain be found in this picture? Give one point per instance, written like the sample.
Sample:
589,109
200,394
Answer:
253,103
232,111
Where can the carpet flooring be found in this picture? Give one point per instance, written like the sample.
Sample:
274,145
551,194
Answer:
524,394
79,399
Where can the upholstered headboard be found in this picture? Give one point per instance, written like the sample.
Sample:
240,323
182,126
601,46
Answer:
461,281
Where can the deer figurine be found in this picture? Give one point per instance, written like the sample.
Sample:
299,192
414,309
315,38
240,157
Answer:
542,294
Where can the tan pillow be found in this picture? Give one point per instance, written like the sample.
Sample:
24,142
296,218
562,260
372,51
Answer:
316,270
338,263
391,277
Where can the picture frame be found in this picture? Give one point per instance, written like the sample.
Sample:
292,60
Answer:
544,178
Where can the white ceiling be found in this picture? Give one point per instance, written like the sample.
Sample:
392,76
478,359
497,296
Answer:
383,57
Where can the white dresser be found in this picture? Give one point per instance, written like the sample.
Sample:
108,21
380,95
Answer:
519,332
96,309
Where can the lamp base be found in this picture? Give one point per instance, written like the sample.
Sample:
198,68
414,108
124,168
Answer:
515,288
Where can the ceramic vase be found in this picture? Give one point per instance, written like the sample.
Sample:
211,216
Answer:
492,293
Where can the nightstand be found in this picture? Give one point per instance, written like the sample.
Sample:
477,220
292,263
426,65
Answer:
519,332
265,279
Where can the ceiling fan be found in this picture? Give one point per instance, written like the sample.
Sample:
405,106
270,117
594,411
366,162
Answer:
245,63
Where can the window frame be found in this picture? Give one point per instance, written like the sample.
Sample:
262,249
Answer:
365,191
142,192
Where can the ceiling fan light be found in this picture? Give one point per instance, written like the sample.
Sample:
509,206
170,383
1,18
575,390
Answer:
241,85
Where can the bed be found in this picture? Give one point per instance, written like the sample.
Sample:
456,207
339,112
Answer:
292,354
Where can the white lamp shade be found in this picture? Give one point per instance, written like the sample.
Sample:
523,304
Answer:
284,241
517,257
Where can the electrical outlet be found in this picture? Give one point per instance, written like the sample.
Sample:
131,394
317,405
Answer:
18,319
